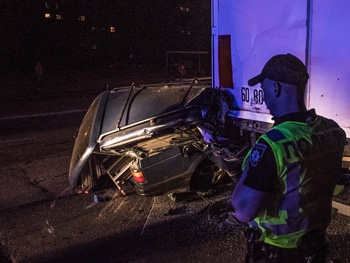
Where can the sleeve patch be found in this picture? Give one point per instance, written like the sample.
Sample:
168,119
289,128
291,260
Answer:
256,153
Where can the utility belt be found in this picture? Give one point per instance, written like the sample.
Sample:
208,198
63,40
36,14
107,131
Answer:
312,249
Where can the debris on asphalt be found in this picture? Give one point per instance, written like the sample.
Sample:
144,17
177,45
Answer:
105,195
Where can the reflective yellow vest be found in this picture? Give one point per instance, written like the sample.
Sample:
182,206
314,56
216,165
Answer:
308,158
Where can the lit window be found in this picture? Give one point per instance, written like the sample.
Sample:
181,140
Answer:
112,29
184,9
186,32
58,17
94,47
81,18
47,15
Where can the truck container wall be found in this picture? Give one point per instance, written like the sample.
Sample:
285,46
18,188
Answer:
246,34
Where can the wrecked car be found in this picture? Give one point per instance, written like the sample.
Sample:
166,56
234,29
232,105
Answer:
152,139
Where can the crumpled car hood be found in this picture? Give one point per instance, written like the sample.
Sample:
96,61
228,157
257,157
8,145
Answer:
130,106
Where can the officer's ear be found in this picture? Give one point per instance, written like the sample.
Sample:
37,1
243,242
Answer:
278,88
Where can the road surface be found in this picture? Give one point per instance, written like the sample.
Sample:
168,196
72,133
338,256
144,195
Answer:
43,220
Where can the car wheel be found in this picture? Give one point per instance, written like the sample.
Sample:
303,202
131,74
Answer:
206,174
90,173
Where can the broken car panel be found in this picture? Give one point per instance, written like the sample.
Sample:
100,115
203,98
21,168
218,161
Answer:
151,138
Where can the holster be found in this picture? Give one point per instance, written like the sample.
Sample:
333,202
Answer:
254,246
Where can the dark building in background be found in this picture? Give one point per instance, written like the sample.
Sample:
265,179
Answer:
78,34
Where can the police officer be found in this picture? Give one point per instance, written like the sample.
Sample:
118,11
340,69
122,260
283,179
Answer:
289,175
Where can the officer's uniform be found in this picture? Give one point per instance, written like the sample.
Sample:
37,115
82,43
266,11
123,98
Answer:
297,162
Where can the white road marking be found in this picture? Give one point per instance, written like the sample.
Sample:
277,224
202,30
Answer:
42,114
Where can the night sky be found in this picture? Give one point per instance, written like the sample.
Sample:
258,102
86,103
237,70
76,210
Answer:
144,28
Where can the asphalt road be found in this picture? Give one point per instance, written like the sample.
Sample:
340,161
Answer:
43,220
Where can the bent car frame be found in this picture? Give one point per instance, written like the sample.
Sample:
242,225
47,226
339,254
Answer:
152,139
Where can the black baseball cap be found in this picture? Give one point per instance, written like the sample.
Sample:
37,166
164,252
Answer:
284,68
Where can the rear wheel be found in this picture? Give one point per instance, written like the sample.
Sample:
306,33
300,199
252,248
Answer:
207,174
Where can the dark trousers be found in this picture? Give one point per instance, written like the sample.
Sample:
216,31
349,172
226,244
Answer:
313,249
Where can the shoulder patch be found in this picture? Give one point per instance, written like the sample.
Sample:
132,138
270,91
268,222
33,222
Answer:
256,153
275,135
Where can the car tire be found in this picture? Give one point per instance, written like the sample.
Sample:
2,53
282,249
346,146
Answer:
207,174
90,173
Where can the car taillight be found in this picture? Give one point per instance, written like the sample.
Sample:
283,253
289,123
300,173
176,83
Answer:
138,175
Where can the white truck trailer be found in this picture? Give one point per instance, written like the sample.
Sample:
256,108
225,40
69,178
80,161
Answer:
246,34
